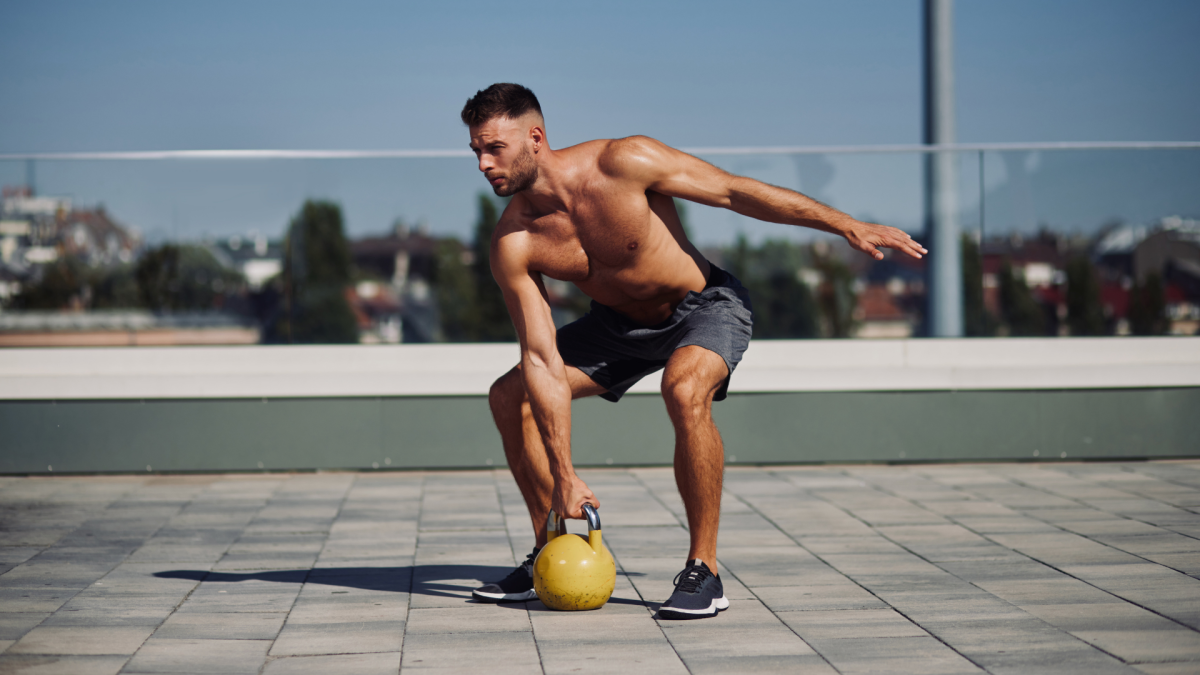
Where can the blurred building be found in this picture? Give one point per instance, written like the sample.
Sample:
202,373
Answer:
878,313
395,301
257,258
1169,249
37,230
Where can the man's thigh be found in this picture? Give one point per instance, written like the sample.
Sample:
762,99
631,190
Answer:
581,385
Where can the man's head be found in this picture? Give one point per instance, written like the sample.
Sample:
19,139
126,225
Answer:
507,132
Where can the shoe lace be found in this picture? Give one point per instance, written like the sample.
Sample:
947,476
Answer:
691,579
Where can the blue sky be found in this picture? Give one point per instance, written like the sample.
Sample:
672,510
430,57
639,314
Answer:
85,76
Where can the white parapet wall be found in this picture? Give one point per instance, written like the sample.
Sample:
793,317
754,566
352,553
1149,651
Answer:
469,369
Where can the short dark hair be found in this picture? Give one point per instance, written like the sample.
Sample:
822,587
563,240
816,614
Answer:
502,99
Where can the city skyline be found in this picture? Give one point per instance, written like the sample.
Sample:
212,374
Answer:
141,76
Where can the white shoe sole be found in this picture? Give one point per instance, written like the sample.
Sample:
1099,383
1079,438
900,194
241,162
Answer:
509,597
719,605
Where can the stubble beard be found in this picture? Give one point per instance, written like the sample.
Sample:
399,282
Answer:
522,176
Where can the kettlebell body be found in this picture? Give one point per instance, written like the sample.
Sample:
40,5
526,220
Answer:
571,572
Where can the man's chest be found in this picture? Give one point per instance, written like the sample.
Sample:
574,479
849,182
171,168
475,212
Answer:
601,236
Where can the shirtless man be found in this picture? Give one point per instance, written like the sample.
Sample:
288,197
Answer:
601,216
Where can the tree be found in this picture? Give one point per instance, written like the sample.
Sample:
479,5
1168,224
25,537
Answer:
1022,314
1085,313
784,307
454,282
977,321
70,283
836,297
492,323
316,275
1147,307
182,277
63,284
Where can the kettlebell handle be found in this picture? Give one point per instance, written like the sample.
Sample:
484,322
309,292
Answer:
592,515
554,523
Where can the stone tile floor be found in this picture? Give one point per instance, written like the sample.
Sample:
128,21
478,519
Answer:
969,568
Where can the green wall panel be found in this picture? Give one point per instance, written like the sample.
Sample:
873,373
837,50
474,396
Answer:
416,432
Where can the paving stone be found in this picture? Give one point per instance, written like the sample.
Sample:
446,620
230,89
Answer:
339,637
648,542
222,625
1143,646
822,546
811,664
1114,615
584,642
504,653
925,607
1177,668
469,618
387,663
82,640
105,610
15,624
851,623
17,599
1001,525
1058,591
20,664
229,601
894,655
776,566
1082,660
234,657
1002,570
747,631
825,597
450,585
1185,563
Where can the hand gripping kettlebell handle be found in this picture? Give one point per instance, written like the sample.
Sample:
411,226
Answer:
592,515
556,525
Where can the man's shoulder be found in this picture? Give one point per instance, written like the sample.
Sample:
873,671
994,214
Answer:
511,235
629,156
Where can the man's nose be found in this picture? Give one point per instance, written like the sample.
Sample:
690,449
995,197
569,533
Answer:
485,163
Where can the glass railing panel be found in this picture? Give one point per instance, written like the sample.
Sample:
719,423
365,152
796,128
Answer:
319,249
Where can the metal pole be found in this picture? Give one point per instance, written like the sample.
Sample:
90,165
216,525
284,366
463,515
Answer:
944,271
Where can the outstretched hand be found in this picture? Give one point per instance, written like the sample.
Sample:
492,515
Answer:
569,497
870,237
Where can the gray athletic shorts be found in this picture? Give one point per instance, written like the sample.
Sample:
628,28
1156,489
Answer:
616,352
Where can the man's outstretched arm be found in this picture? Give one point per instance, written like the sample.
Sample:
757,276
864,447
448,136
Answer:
664,169
543,372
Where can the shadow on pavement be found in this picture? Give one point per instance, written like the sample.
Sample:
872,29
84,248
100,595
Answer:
419,579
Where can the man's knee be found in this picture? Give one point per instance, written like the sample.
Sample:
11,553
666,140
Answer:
507,393
686,396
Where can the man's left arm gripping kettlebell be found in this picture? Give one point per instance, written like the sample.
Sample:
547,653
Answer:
542,369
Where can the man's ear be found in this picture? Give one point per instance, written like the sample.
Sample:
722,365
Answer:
538,135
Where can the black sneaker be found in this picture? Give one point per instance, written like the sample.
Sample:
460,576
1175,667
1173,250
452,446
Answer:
516,587
698,594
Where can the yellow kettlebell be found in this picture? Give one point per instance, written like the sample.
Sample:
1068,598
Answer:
571,572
